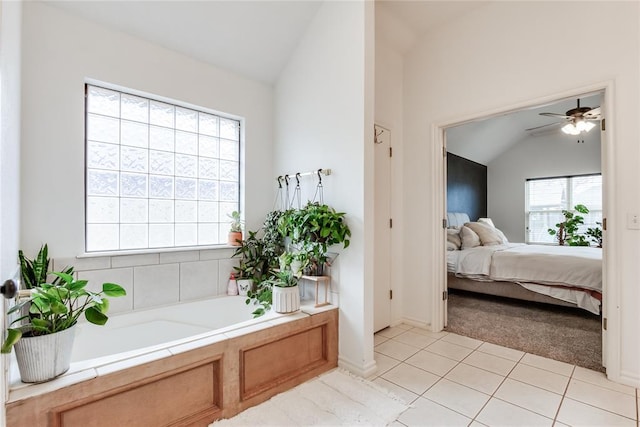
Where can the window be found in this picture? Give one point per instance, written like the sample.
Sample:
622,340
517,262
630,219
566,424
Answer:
547,197
158,174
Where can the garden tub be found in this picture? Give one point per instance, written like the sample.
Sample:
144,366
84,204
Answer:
185,364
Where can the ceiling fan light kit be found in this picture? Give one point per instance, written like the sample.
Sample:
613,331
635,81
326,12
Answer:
578,127
577,120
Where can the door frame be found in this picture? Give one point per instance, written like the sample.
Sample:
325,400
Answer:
611,339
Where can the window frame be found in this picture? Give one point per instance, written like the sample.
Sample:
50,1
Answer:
222,223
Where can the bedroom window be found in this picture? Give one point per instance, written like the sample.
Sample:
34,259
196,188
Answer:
158,174
546,198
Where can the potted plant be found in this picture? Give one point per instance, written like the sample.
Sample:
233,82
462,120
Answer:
312,230
280,292
254,263
44,338
35,271
567,230
294,261
235,232
272,239
595,234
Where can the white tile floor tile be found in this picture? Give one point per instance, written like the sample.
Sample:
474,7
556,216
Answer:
476,378
432,362
397,350
603,398
463,341
498,413
540,378
490,363
504,352
425,412
548,364
415,340
575,413
436,335
454,396
411,378
535,399
391,332
450,350
462,382
379,339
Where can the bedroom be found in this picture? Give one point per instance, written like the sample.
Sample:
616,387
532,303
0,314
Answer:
507,168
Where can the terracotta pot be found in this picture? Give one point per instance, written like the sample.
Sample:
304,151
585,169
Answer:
235,238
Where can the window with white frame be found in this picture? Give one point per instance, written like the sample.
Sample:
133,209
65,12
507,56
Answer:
546,198
158,174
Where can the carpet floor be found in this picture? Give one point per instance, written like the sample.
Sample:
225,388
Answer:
567,334
336,398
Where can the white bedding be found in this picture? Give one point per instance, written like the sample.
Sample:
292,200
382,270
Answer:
535,267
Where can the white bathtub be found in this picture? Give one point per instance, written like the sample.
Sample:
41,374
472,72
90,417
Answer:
152,333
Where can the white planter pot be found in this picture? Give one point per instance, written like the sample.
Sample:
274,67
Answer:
286,300
244,285
44,357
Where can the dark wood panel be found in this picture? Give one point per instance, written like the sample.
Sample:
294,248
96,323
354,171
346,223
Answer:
466,187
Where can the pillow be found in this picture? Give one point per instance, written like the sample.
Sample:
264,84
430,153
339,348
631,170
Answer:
489,236
486,221
452,246
453,237
469,237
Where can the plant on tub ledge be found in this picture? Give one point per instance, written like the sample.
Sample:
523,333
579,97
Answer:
280,292
44,338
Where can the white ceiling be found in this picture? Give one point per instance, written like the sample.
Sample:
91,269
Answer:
252,38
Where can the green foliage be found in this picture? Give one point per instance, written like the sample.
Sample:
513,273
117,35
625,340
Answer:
236,224
255,262
56,307
567,230
263,295
34,271
595,234
272,239
313,229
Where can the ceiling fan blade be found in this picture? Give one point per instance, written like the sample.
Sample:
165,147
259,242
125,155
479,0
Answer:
544,126
555,115
593,114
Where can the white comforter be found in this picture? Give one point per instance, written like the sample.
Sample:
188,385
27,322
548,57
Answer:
535,267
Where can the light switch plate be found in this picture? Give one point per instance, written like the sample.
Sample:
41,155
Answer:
633,221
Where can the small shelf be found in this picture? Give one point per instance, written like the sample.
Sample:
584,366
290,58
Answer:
317,281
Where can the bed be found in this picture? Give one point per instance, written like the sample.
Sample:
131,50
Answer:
480,259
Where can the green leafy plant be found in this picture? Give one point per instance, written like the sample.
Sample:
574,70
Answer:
236,223
35,271
272,239
567,230
595,234
263,295
313,229
255,262
56,307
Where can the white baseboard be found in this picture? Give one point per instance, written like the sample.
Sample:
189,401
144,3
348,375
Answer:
416,322
360,370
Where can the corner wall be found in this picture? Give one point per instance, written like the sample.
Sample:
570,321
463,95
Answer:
501,56
324,120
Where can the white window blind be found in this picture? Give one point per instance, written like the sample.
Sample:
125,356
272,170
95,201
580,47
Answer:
547,198
158,175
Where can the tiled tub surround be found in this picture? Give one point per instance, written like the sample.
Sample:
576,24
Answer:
159,367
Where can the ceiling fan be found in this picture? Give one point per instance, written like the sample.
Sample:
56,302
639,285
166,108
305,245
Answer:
575,121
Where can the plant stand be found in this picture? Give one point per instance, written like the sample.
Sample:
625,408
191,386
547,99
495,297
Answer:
320,282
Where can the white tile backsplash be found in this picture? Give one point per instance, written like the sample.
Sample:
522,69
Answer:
156,285
120,276
221,253
198,280
183,256
225,268
82,264
134,260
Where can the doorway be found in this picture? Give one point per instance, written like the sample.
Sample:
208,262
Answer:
605,150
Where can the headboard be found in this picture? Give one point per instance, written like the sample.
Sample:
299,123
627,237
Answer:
456,219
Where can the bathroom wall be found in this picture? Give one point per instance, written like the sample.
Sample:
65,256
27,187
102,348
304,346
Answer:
10,40
324,119
59,52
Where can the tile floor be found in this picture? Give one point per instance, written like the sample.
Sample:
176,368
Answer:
452,380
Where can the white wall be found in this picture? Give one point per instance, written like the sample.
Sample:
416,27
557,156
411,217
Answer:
388,113
10,40
323,121
534,157
494,59
60,52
